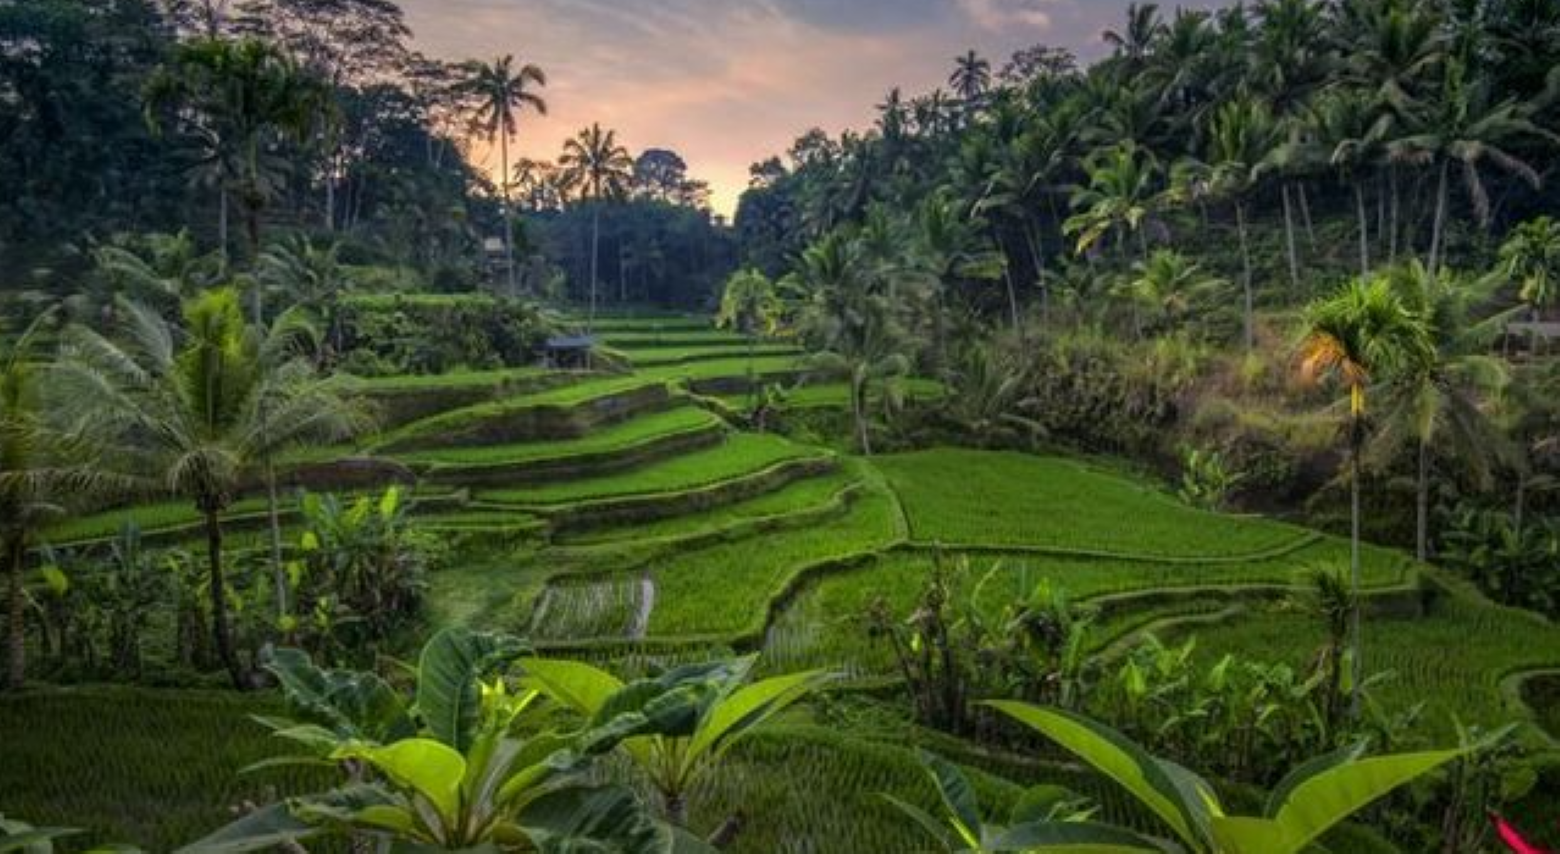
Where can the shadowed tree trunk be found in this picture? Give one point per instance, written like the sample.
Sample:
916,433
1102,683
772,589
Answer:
1289,238
1245,277
1359,206
16,651
1438,227
1422,504
595,261
221,635
1356,623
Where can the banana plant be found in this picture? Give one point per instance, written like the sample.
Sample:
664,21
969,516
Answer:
699,711
1312,799
1046,816
447,769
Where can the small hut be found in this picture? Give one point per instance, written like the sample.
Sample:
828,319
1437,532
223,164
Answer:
568,352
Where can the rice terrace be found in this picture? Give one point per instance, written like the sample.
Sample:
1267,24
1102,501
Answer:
1138,434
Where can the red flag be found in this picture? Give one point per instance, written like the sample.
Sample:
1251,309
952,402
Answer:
1513,839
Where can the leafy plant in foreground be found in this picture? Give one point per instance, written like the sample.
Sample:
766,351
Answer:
713,708
1044,816
450,770
1312,799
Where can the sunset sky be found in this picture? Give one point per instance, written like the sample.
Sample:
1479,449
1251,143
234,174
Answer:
728,82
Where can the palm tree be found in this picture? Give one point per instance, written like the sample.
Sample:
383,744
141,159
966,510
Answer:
200,407
1462,125
500,93
595,168
1348,124
42,471
309,277
854,323
1241,138
1363,332
1119,198
750,305
240,96
971,77
1135,42
1168,285
1530,258
1437,399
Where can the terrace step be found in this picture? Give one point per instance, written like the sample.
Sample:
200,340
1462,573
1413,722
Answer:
623,504
653,357
667,340
568,413
402,400
630,444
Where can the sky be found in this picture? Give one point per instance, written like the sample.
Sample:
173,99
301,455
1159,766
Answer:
726,83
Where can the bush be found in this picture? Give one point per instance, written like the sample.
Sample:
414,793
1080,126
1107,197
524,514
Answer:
431,334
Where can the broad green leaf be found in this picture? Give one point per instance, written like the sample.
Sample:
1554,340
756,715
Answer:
929,823
1073,837
449,681
577,820
1307,770
958,796
427,767
1322,800
258,831
579,686
389,502
745,709
1113,755
388,817
353,704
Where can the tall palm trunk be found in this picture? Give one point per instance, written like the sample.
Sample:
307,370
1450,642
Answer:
221,634
1438,229
16,651
509,227
1359,208
1305,214
1245,277
1395,206
858,405
1356,622
1289,238
595,260
1519,507
222,226
1422,504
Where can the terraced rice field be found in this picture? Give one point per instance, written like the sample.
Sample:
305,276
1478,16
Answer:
636,551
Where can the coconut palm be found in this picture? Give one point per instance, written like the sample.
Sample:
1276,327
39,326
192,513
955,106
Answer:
1135,42
1241,138
42,471
309,277
1349,133
198,408
1530,258
751,306
971,77
499,93
595,168
1167,286
855,325
1439,398
1119,198
241,96
1464,126
1362,333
